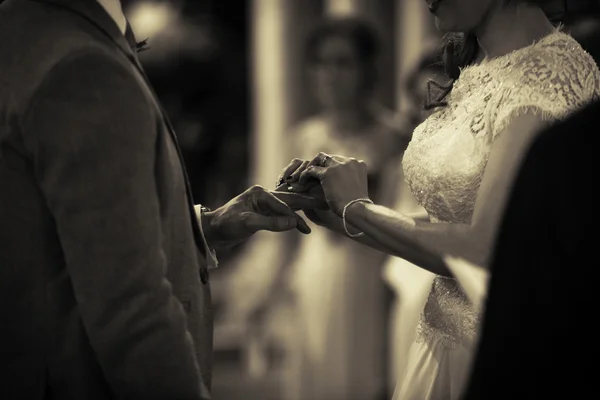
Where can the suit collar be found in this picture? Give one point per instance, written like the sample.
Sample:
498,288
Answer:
96,15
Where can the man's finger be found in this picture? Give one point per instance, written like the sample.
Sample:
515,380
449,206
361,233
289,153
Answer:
312,172
295,187
302,226
268,203
278,223
297,201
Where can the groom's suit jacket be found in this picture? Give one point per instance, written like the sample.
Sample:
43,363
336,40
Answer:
538,331
103,281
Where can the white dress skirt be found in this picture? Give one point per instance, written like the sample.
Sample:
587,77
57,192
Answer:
439,359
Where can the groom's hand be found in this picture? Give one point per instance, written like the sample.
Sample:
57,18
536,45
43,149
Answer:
254,210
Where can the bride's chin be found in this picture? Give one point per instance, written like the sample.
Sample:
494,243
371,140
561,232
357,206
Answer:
445,26
442,25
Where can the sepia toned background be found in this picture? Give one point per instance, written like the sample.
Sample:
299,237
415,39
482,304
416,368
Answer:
231,75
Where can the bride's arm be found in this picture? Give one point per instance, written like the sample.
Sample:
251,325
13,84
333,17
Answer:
422,242
423,256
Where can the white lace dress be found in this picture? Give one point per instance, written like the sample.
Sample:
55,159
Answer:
443,166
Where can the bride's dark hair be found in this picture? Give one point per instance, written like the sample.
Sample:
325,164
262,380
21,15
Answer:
459,50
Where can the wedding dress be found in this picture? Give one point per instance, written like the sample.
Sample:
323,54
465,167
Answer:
443,166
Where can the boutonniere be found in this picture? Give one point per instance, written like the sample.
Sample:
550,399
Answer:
142,46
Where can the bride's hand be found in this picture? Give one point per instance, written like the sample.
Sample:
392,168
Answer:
289,182
343,179
288,179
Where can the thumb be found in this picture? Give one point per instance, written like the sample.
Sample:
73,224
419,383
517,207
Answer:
277,223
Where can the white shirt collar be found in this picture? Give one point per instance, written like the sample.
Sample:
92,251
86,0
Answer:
114,9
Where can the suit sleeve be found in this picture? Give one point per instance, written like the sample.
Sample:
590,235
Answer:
92,139
520,273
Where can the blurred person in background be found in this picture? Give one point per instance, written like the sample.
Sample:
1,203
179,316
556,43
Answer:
337,350
512,73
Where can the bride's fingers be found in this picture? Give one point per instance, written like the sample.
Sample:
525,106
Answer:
312,172
325,160
289,170
318,160
294,176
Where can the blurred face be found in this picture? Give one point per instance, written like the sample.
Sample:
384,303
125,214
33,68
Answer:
337,73
460,15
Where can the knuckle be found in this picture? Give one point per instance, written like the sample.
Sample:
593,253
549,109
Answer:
287,222
256,189
245,218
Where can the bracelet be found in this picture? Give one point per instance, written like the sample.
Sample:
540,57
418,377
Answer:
353,235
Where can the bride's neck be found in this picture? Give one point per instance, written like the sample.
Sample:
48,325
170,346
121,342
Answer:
512,28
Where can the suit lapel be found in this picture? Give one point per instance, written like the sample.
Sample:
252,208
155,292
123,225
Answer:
132,56
93,12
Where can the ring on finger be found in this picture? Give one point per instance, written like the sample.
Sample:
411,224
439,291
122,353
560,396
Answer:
323,162
280,181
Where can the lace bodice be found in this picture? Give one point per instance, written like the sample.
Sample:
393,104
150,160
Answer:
446,158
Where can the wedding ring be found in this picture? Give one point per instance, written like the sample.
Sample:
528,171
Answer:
324,161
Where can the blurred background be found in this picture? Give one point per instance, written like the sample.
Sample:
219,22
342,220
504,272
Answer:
250,85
